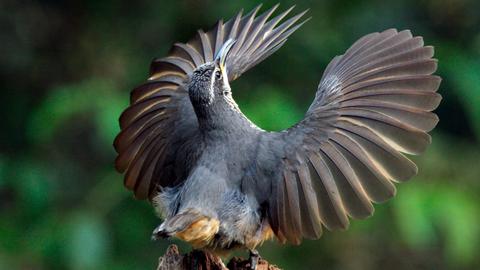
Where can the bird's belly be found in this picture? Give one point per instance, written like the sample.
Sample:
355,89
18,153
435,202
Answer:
241,223
223,242
235,222
224,236
214,212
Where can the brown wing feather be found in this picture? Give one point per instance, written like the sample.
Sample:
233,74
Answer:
160,117
373,104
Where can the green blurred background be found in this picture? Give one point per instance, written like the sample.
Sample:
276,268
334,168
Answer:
66,70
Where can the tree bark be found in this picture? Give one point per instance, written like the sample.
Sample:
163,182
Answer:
202,260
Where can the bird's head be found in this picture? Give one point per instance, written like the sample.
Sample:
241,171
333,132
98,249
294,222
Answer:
210,81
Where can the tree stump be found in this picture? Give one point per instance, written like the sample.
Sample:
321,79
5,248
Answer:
202,260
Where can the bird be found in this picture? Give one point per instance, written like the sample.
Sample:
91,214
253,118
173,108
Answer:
221,183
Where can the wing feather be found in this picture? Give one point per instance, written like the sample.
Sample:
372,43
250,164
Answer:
375,184
353,195
160,118
332,212
372,106
186,51
310,216
292,222
206,46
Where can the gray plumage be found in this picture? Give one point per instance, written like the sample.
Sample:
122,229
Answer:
185,145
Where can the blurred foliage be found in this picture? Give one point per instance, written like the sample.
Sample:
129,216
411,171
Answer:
66,69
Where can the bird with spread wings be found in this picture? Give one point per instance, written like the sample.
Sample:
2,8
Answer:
220,182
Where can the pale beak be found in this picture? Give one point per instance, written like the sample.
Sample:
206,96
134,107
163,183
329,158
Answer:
221,57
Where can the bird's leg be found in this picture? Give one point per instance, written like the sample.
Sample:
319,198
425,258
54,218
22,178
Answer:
195,263
254,257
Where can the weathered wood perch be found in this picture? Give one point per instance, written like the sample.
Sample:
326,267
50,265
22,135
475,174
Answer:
201,260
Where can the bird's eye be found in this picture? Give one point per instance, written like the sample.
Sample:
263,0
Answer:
218,74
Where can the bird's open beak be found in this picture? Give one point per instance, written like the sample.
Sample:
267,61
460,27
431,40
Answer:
221,56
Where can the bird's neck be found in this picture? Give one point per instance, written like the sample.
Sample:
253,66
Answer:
222,118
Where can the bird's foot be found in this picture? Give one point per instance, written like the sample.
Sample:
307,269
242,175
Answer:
254,258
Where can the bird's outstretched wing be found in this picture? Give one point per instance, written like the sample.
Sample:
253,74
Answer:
160,124
373,103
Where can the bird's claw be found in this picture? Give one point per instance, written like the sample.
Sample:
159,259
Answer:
254,258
